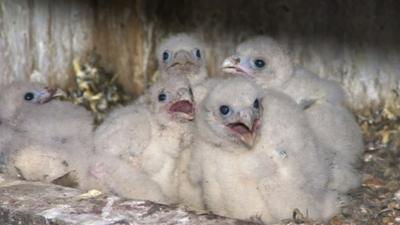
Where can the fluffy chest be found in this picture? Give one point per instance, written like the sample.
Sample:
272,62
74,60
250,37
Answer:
226,167
160,158
230,182
163,148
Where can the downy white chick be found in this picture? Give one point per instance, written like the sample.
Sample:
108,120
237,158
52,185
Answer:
254,156
46,135
265,61
150,137
113,174
182,54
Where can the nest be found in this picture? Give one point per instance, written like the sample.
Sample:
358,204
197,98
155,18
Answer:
377,201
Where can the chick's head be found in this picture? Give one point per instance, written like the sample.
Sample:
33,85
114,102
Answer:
182,54
17,95
171,99
262,59
232,112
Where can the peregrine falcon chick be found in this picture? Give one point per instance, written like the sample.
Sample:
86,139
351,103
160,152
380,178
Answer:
255,156
46,135
262,59
183,54
150,136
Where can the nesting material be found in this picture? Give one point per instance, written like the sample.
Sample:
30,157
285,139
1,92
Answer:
95,88
378,200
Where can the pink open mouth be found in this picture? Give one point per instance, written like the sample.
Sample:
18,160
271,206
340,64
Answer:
239,128
247,135
185,107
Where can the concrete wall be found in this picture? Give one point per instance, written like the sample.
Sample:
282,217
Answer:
353,42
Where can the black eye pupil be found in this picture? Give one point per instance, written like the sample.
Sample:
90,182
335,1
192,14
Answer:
28,96
259,63
165,56
256,104
198,54
224,109
162,97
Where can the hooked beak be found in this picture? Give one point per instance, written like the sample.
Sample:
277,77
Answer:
246,127
48,93
234,65
182,58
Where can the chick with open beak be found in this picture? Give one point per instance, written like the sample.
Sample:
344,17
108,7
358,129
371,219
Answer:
149,137
267,62
253,147
235,119
172,99
245,124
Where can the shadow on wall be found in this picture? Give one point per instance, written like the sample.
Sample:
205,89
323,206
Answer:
355,44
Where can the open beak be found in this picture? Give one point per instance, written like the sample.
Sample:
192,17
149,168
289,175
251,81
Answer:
183,106
47,94
246,127
183,109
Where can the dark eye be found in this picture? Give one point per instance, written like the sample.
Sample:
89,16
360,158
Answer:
256,104
165,56
259,63
162,97
198,54
224,110
29,96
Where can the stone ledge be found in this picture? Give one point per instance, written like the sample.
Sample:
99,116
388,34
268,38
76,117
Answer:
35,203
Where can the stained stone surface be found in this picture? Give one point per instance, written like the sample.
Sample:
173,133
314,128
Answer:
35,203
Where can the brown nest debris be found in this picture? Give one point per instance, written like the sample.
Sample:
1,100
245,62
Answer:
96,89
378,200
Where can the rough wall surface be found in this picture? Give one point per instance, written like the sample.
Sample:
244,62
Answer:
345,40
